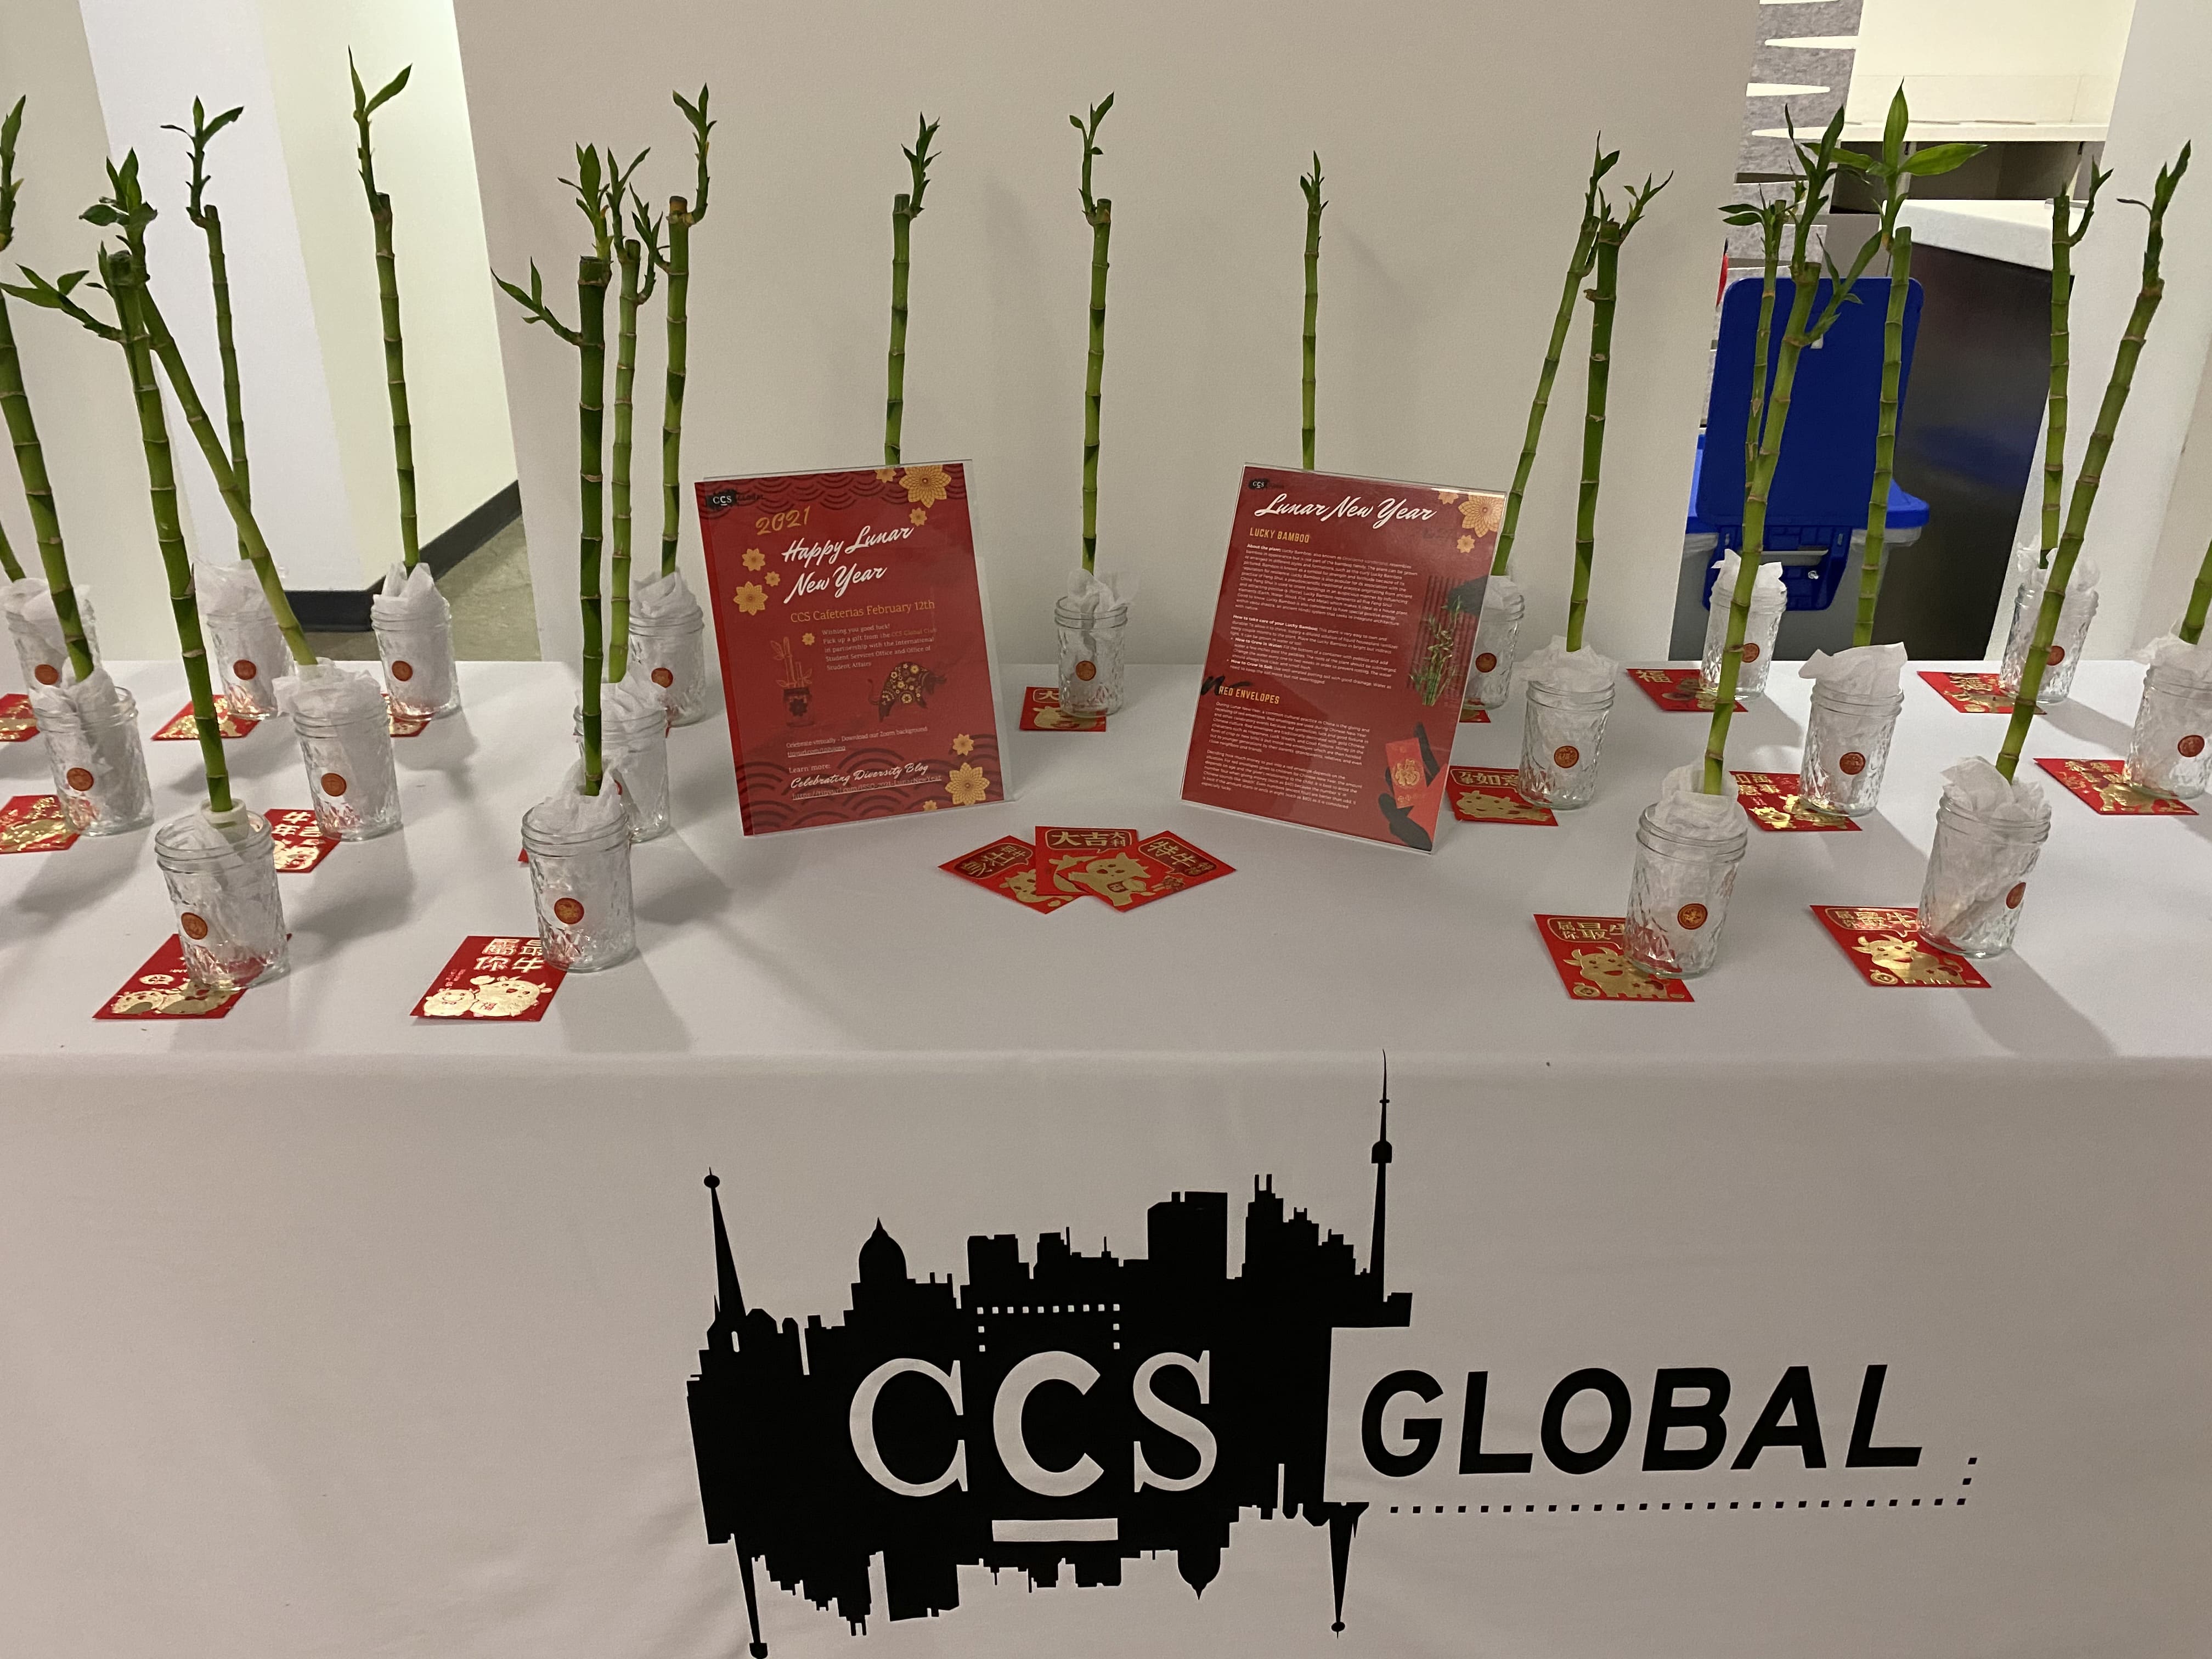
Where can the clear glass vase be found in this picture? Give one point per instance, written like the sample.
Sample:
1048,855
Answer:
420,675
249,649
1976,879
2059,662
97,760
634,753
581,883
671,653
1846,751
1490,671
1561,736
1091,644
1760,628
1678,897
351,780
41,649
2170,754
221,868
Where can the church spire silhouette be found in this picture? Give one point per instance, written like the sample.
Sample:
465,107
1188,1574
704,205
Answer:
1381,1155
729,1300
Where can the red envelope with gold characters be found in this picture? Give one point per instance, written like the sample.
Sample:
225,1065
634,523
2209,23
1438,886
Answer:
183,729
1059,846
1970,694
1674,689
1008,867
1770,799
1041,712
17,723
2099,785
849,616
1491,795
35,824
1884,944
300,843
1594,967
163,990
1337,667
493,977
1187,865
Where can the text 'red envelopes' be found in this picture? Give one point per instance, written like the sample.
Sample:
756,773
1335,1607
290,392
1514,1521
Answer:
849,618
1339,655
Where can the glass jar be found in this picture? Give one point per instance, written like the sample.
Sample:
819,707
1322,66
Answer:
1760,631
1091,644
351,781
1490,671
250,649
1977,877
419,673
230,918
2171,753
39,648
634,753
1847,751
98,762
1679,896
2079,611
581,883
671,653
1560,736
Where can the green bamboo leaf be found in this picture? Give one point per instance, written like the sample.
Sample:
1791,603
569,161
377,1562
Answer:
1939,159
391,91
1892,132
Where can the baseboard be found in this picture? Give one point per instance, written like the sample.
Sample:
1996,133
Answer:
345,610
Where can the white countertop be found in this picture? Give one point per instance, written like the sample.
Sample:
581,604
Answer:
2016,232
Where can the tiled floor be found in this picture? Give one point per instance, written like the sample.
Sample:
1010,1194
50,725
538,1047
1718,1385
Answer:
492,618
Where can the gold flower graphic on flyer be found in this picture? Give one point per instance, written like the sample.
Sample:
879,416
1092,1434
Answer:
750,598
964,745
755,559
925,486
1481,514
967,785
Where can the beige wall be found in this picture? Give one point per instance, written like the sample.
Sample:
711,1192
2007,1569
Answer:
1988,60
1455,136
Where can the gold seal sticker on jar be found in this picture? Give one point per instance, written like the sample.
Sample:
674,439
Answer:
1486,663
1851,764
2190,746
244,669
403,671
664,678
1566,757
334,783
1750,651
195,926
569,911
78,779
1086,670
2013,898
1692,917
46,674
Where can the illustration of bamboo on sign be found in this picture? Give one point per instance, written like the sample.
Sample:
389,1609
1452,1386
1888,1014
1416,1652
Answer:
1310,186
905,207
74,651
1894,171
681,216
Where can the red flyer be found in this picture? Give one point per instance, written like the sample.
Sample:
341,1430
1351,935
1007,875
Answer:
1339,657
849,610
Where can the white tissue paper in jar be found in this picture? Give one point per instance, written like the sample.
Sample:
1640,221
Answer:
1580,673
1969,873
1685,810
1868,672
349,752
28,606
415,636
100,761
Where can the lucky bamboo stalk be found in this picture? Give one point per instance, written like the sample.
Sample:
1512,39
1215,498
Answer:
204,214
9,562
904,207
23,433
1605,261
1098,212
387,292
2065,236
1818,165
1771,217
1310,184
2083,500
594,275
2200,601
682,216
1896,170
1577,268
639,271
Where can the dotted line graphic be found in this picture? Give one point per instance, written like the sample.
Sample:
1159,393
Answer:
1776,1505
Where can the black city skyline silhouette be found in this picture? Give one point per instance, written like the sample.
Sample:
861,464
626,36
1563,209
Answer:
780,1477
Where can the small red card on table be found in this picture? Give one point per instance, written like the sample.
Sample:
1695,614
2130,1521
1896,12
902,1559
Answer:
182,728
163,990
1970,694
404,725
1041,713
35,824
1008,866
1884,944
2098,784
1770,799
1076,847
300,843
1674,689
1474,715
17,723
493,977
1188,866
1490,794
1587,951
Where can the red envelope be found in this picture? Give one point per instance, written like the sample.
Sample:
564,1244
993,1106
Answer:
1970,694
1123,878
35,824
1770,799
1041,713
405,725
493,977
182,729
1008,867
17,723
163,990
1674,689
1469,715
1884,944
1056,842
2099,785
1187,866
1594,967
300,843
1490,794
1409,776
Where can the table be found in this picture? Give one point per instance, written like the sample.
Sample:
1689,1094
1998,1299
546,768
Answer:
324,1331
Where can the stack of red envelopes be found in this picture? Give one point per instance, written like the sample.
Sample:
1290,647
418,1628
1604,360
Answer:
1064,864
